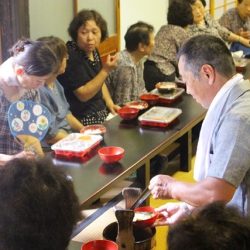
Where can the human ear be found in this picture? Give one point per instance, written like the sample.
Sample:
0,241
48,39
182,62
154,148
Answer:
208,73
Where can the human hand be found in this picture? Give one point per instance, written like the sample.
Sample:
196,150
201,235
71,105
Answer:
25,154
110,63
244,33
170,213
113,108
160,186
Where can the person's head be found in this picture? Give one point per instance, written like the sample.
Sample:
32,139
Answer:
58,46
198,10
205,64
33,62
88,29
38,206
243,8
180,13
214,227
140,36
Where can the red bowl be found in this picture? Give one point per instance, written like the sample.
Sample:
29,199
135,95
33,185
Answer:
100,245
111,154
147,212
151,99
128,113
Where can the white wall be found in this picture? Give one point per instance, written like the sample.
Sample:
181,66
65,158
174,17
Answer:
150,11
50,17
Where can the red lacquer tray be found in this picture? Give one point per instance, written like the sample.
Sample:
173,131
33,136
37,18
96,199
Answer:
159,116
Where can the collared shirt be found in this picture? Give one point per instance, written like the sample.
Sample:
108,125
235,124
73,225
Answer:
55,100
229,151
232,21
126,82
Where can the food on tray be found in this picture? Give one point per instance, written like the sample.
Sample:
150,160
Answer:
159,116
76,144
96,129
166,87
139,216
170,96
137,105
85,138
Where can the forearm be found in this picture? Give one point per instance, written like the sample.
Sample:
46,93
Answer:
106,96
4,158
91,88
74,123
236,38
203,192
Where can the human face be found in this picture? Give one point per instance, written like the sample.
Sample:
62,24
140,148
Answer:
194,85
198,11
148,48
89,36
244,9
31,81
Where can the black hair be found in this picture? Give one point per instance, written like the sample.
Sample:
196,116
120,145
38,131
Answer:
207,49
36,57
214,227
82,17
57,45
138,33
180,13
38,206
202,1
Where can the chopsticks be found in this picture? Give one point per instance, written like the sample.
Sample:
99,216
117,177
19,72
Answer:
143,196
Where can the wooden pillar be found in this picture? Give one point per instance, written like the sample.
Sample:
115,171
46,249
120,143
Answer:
14,19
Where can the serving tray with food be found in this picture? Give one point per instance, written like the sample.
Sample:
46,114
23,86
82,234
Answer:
159,116
76,145
168,97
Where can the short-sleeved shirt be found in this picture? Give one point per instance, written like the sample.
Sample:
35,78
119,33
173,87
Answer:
168,40
55,100
8,144
233,22
210,27
79,71
126,82
230,147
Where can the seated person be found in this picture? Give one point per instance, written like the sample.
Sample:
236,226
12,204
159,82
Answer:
205,24
84,78
126,82
214,227
52,96
237,20
162,65
38,206
30,65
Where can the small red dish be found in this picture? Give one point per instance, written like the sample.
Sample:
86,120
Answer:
96,129
100,245
145,216
151,99
128,113
111,154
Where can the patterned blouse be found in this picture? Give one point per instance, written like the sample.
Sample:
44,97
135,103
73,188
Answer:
210,27
168,40
126,82
232,21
